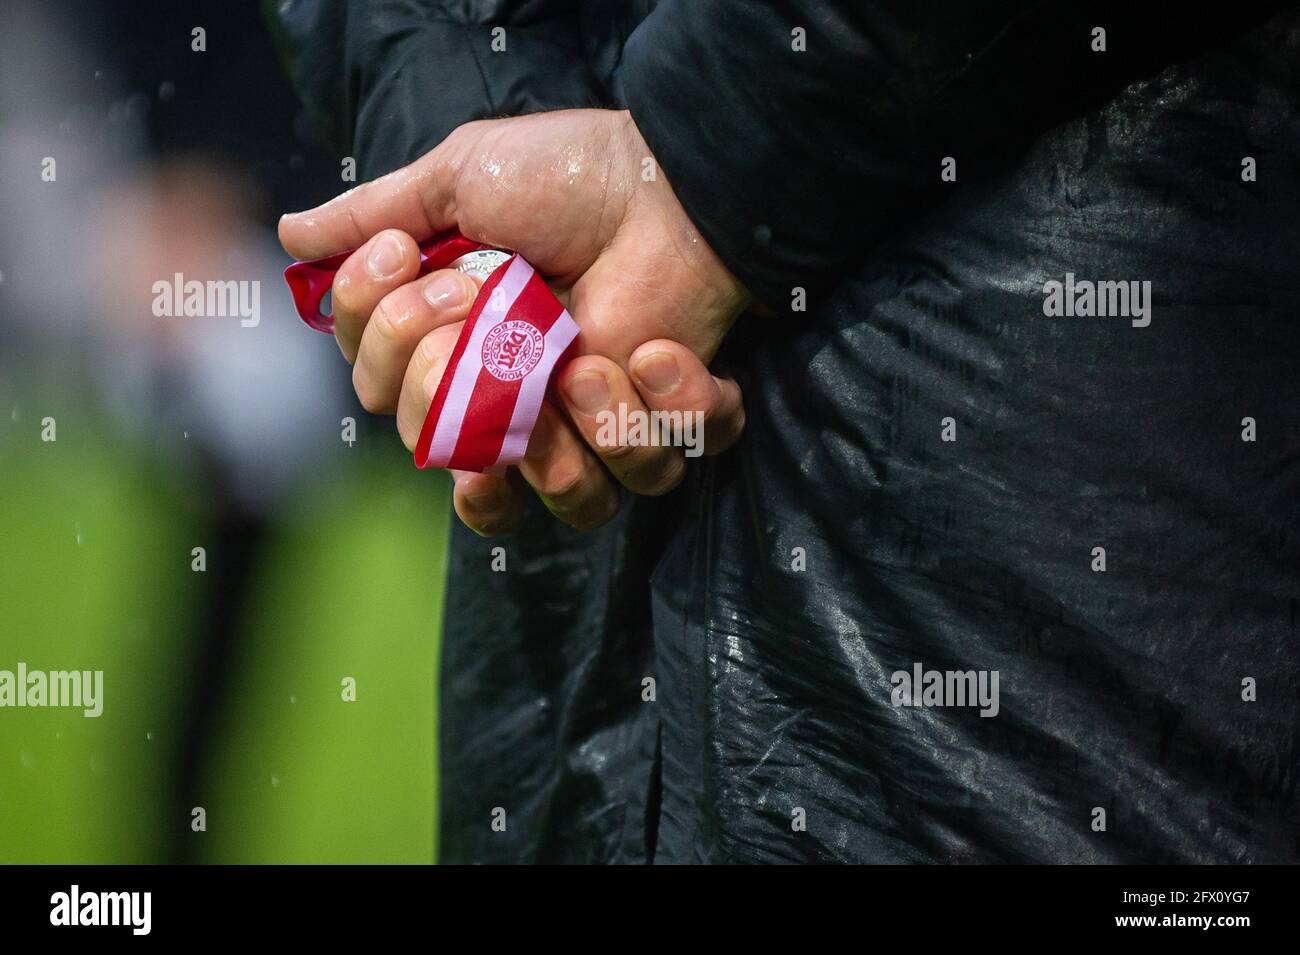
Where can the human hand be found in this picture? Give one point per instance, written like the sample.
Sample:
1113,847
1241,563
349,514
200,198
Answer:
566,190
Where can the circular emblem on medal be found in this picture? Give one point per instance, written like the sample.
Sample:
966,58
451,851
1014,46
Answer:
512,349
482,262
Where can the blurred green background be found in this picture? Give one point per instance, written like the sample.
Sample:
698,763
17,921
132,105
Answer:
97,575
128,156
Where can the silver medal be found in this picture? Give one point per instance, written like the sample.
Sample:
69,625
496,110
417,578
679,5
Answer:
480,263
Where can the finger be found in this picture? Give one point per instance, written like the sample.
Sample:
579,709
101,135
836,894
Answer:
399,321
570,481
418,199
671,378
421,378
486,503
608,413
386,262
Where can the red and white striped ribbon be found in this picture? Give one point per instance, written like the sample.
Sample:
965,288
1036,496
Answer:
491,392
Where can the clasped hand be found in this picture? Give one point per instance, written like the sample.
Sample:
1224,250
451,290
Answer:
579,196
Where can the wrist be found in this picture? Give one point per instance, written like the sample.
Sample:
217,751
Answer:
650,195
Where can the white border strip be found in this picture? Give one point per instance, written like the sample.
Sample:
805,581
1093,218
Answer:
529,403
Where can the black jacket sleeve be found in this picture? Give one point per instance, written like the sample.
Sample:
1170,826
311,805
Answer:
793,162
379,72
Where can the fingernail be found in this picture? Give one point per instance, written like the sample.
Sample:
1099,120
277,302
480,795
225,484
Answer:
658,372
445,290
385,258
589,391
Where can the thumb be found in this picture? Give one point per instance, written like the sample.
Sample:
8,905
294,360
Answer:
418,199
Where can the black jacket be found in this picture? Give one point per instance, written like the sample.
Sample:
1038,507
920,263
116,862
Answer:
931,463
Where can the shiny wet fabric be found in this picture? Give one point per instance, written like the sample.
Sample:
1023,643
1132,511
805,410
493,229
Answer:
929,468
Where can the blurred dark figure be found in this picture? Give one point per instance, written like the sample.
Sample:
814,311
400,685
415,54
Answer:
171,159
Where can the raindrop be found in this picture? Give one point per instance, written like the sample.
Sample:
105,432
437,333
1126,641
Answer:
148,736
293,699
275,782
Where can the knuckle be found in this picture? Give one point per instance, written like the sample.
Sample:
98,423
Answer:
712,406
428,351
600,514
345,296
362,195
410,419
615,452
667,478
408,436
384,324
372,397
564,486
